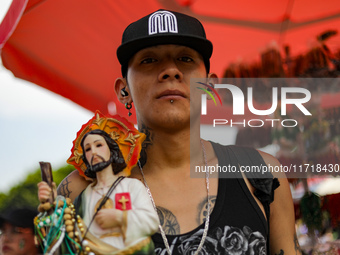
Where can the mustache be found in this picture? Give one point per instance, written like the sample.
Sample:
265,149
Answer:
98,156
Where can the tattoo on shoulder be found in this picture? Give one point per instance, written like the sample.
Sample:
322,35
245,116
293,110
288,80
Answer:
63,188
203,208
168,221
297,245
280,253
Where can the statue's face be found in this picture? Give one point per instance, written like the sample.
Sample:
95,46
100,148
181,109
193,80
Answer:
96,149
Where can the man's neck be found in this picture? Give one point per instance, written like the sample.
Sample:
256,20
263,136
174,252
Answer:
171,152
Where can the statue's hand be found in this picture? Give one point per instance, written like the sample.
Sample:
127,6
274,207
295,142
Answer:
109,218
44,191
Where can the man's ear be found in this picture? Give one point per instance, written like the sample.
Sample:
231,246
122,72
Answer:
212,79
122,91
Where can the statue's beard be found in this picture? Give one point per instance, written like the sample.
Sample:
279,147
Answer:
99,166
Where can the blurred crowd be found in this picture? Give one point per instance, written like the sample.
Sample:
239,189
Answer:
17,232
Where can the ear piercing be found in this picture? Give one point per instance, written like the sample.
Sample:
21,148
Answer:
123,92
171,101
211,86
128,106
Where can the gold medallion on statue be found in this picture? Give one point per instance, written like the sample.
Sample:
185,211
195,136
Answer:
108,204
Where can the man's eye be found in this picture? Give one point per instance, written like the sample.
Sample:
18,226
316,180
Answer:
148,61
185,59
87,149
99,145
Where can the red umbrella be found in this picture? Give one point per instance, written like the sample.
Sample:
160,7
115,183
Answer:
69,46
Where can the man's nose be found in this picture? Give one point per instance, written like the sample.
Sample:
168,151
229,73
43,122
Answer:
6,236
170,72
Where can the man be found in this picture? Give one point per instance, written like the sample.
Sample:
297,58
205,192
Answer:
17,232
159,55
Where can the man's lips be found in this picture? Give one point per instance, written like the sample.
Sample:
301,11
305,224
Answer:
6,248
169,94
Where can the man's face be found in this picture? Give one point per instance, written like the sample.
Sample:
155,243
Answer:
159,82
17,241
96,149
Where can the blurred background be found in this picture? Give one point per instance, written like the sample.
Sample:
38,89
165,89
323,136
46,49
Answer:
36,125
58,66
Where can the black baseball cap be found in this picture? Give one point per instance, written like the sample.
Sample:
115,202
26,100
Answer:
19,217
164,27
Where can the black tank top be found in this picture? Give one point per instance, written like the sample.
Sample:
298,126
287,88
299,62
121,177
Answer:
237,224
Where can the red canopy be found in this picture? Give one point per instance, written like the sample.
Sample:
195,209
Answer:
69,46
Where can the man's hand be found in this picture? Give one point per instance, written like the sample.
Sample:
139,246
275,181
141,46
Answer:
45,192
109,218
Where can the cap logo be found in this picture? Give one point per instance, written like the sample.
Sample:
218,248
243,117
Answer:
162,22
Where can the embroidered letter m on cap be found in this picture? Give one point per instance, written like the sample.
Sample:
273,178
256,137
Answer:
162,22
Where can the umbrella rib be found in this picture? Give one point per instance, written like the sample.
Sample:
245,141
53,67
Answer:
286,21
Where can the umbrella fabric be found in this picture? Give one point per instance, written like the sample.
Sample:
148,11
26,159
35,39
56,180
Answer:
328,186
69,46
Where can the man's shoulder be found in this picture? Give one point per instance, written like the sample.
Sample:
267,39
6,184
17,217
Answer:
270,160
72,185
253,153
239,154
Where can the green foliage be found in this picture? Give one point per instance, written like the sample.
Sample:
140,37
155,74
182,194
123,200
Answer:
310,207
25,193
